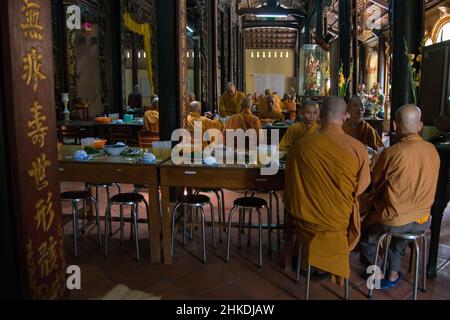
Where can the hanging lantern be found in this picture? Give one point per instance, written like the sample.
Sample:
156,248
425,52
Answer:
87,28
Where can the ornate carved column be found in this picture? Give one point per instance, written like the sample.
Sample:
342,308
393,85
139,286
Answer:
171,69
204,97
345,20
71,56
105,71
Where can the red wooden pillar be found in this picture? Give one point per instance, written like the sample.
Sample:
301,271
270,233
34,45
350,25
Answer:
29,108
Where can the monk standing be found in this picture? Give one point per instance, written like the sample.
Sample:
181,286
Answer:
404,179
360,129
230,102
326,173
307,126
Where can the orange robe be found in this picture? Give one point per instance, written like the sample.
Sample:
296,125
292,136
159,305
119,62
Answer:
326,173
296,132
206,124
290,106
364,133
265,112
404,179
151,120
230,105
244,120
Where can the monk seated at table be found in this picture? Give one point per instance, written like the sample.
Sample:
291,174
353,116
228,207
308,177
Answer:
404,180
230,102
307,125
151,116
244,120
195,108
360,129
268,111
326,173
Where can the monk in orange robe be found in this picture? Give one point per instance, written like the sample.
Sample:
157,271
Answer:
244,120
268,111
326,173
151,117
290,106
307,126
404,180
230,102
360,129
195,115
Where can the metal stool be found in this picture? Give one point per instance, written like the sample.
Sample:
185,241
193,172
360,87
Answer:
108,194
220,206
126,199
252,204
194,202
75,197
308,274
272,193
412,238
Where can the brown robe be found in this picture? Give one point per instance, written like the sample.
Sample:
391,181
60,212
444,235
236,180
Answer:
327,173
404,179
364,133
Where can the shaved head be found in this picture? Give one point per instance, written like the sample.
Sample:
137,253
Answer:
247,103
230,88
195,106
334,110
309,103
355,100
309,111
356,109
407,120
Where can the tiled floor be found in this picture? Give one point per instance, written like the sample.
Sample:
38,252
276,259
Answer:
189,278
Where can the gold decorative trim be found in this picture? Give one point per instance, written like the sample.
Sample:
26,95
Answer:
438,27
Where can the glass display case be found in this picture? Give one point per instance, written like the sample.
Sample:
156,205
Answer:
314,76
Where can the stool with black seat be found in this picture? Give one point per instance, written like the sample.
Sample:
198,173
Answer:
414,239
107,187
126,199
271,193
76,197
253,204
220,205
194,202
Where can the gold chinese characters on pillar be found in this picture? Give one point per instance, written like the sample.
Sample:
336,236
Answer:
37,129
30,26
33,122
32,68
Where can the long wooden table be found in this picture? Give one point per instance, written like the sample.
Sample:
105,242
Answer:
121,170
231,177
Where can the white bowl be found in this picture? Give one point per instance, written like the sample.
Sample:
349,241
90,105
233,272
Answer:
80,155
148,157
114,150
